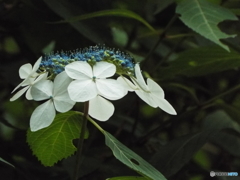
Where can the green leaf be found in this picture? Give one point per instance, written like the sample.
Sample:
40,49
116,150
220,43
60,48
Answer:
228,142
132,160
127,178
203,17
174,155
201,61
236,11
219,120
66,9
111,12
54,143
232,110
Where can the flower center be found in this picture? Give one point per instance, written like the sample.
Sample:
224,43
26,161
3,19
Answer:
56,62
94,78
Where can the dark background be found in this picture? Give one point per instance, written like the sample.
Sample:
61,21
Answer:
200,139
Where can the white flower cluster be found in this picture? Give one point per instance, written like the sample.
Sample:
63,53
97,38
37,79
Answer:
81,82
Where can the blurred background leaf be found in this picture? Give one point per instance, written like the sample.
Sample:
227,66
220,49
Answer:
113,12
201,61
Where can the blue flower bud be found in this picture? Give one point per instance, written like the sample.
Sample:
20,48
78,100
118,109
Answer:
55,62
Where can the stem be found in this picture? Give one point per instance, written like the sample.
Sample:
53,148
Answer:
96,125
161,37
222,94
81,140
136,121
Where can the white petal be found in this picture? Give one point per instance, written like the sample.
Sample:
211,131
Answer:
63,103
19,93
139,77
79,70
42,90
100,108
36,65
127,84
147,97
28,94
42,116
104,69
166,106
61,83
30,81
110,89
124,84
81,91
25,70
155,89
40,77
18,86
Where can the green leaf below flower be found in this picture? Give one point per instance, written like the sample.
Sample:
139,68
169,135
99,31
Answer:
131,159
54,143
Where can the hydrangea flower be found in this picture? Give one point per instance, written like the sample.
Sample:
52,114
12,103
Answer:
151,92
55,63
58,97
84,75
30,76
91,83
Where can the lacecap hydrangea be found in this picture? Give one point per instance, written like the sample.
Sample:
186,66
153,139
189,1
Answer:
96,74
55,63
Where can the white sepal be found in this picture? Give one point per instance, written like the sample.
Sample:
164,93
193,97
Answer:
61,83
28,93
139,77
19,93
100,108
63,103
147,97
151,92
79,70
110,89
36,65
166,106
25,70
81,91
104,70
30,76
155,88
42,90
42,116
127,84
61,98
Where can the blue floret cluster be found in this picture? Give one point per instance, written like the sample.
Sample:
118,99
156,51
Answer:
56,62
